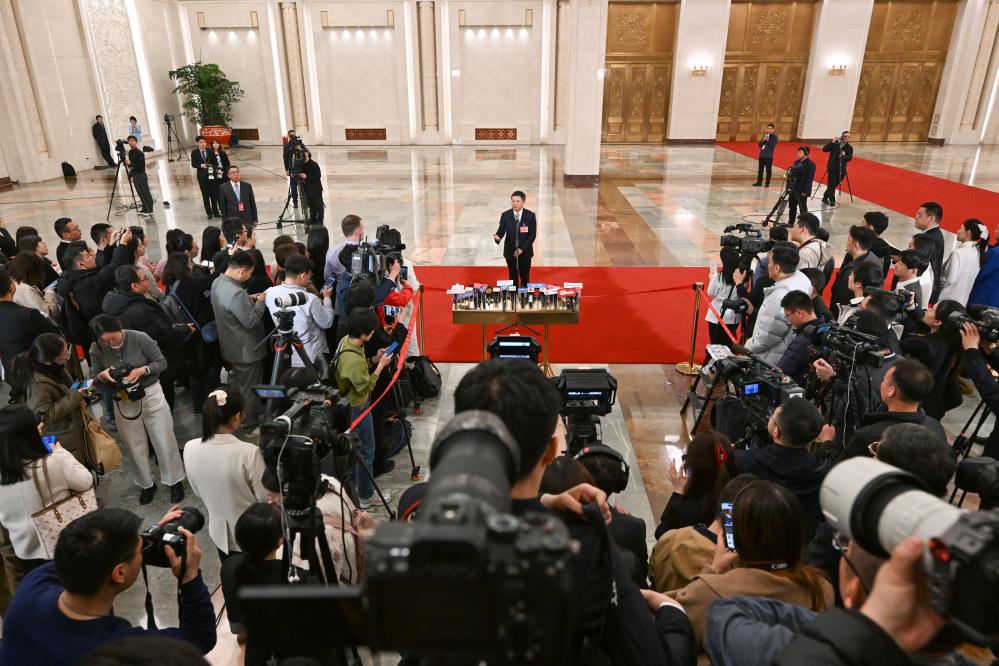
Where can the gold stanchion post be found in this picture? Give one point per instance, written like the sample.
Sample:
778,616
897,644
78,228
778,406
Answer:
688,367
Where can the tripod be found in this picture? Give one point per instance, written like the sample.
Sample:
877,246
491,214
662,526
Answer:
124,207
963,442
285,336
843,175
171,135
777,212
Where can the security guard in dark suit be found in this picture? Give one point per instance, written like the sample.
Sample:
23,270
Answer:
201,160
519,227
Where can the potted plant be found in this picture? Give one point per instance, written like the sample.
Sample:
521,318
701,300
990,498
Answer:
208,98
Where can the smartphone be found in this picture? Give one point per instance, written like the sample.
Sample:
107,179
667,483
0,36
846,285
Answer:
329,283
82,385
48,441
404,272
391,348
728,526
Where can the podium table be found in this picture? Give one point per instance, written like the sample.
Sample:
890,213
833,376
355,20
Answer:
510,318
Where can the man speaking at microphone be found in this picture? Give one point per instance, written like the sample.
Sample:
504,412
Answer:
520,227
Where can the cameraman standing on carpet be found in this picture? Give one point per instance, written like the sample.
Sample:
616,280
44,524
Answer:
802,172
840,152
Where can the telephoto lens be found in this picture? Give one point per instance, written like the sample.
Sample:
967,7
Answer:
292,299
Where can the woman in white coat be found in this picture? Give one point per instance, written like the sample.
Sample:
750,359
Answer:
224,471
961,267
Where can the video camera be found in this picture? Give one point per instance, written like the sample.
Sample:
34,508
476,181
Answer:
759,386
750,244
980,476
899,295
466,551
323,418
371,261
878,506
587,394
121,146
122,391
844,347
987,322
155,539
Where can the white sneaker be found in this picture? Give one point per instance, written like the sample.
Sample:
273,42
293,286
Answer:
374,502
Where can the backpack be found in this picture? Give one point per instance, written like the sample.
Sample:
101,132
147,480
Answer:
396,433
71,320
347,528
425,377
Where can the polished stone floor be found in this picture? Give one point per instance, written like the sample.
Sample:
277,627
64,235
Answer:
654,206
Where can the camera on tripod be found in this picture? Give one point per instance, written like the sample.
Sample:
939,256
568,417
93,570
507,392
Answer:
122,391
980,476
467,550
285,316
750,244
155,539
370,261
987,322
878,506
760,386
586,396
844,347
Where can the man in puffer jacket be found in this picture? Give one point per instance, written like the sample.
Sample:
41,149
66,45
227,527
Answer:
773,333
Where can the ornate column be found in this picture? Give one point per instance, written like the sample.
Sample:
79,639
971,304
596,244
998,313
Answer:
428,63
970,119
13,51
293,58
562,63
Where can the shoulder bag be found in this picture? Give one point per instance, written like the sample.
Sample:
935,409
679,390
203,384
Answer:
101,448
50,520
209,332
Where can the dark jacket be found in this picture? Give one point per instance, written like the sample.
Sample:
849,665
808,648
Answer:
884,251
986,289
767,145
313,178
138,161
286,154
936,260
751,631
797,469
680,511
197,162
100,134
841,293
806,174
138,313
62,413
937,353
85,289
229,204
837,152
195,291
512,236
61,249
21,326
977,370
7,244
794,362
878,423
629,533
840,637
821,309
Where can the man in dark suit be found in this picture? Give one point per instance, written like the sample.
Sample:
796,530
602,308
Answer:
312,177
100,134
200,160
840,152
803,171
136,162
236,200
520,227
8,246
768,142
928,219
68,231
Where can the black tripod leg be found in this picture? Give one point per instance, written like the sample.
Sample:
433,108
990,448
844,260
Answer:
114,188
374,484
846,177
415,469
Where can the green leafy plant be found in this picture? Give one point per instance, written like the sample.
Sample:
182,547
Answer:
208,95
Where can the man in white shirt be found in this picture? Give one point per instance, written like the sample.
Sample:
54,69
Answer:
353,234
312,318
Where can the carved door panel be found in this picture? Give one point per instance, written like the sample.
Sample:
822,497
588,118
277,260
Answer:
639,68
906,49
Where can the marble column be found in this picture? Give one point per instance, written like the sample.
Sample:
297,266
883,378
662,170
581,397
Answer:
839,38
701,35
293,59
110,41
562,63
585,81
428,64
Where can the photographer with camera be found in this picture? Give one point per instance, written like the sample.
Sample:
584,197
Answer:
865,275
130,363
528,404
33,475
313,317
858,249
722,287
941,352
65,609
840,152
136,161
799,312
291,155
813,252
800,176
40,379
979,355
312,180
877,222
908,268
772,334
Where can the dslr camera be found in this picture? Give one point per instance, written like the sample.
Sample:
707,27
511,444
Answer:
987,322
156,539
878,506
122,391
749,244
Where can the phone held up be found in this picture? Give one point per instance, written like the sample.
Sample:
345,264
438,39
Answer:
728,525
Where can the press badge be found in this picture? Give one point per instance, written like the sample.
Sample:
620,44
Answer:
239,206
523,228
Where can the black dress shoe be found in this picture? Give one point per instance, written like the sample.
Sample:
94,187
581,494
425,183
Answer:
757,184
146,496
384,467
177,492
768,183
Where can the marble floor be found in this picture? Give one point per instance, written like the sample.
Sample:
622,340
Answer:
654,206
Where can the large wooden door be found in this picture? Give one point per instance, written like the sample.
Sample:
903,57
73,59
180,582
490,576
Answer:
639,69
766,59
906,50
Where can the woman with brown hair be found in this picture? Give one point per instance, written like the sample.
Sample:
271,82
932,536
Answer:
708,464
28,270
768,527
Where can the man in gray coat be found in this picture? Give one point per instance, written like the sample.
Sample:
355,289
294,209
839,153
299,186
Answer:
772,333
240,321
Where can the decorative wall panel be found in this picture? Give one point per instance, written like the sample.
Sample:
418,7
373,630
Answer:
370,134
983,60
20,68
766,61
293,58
428,63
906,50
495,133
639,63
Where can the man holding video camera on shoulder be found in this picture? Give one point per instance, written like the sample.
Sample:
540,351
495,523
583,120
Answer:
772,333
528,404
65,609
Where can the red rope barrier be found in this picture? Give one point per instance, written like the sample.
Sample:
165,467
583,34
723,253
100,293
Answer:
721,321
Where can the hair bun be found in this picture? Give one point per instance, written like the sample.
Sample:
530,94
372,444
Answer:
220,397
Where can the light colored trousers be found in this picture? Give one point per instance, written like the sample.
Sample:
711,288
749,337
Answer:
155,425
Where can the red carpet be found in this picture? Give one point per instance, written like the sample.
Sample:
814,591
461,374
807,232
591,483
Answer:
895,188
627,315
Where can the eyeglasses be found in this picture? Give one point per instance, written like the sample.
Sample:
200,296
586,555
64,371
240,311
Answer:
841,543
872,448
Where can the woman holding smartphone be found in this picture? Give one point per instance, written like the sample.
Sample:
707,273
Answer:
23,456
218,167
40,378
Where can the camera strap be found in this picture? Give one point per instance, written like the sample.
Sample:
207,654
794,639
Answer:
150,611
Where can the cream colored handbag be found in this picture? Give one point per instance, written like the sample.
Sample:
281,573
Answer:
50,520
